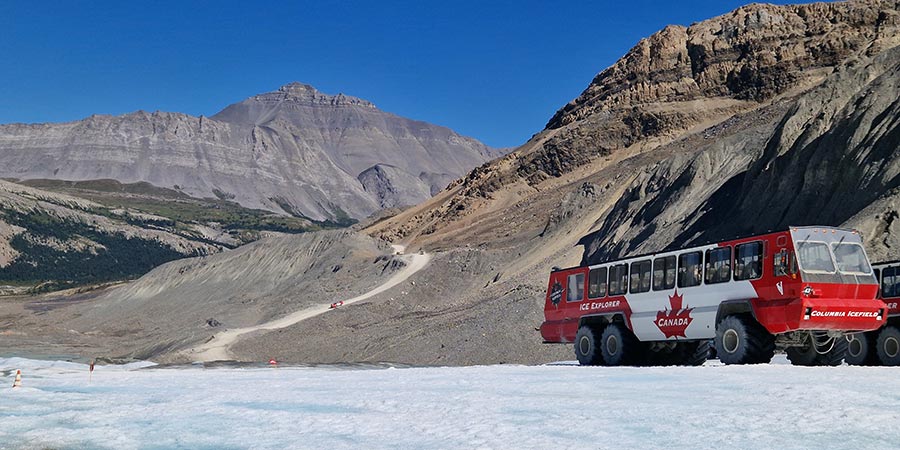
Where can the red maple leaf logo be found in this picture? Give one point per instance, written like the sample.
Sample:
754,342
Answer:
673,322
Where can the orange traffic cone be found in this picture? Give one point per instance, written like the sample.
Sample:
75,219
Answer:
18,382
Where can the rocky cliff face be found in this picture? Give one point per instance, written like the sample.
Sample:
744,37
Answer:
395,187
753,53
296,151
820,159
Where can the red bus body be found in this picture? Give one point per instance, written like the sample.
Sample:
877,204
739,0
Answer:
784,292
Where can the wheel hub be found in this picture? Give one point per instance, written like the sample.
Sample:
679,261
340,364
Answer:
854,347
612,345
584,345
730,341
891,347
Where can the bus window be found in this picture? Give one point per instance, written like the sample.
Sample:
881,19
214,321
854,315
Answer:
575,287
618,279
748,261
640,276
689,269
597,283
664,273
890,282
718,265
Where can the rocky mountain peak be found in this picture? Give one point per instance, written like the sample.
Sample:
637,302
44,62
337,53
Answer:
752,53
298,88
307,95
295,103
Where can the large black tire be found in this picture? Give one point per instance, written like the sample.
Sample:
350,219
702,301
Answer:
836,355
685,353
888,346
713,354
587,346
808,356
766,343
694,353
662,357
802,356
619,346
861,349
740,339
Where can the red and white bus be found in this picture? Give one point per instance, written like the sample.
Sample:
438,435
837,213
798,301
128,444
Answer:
882,346
804,290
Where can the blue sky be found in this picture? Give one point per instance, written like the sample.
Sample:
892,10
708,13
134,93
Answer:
496,71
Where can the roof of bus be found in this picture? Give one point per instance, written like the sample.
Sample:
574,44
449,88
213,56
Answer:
886,263
814,227
697,246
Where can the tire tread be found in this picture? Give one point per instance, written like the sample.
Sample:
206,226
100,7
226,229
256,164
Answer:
758,343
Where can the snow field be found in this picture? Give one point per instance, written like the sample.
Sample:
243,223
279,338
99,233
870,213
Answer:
552,406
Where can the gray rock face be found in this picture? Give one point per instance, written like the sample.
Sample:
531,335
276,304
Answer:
393,186
825,158
753,53
295,150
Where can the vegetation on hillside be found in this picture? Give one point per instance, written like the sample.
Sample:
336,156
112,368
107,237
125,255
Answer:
179,207
45,261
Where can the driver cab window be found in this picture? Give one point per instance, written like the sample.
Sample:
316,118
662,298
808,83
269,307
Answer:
785,263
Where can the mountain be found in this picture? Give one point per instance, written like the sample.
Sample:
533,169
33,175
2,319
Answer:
295,151
764,117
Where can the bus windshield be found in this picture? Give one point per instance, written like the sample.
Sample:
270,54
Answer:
850,258
814,257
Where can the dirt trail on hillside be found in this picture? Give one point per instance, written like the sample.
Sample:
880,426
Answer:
217,348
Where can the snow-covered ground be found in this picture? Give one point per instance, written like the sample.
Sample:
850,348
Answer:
553,406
